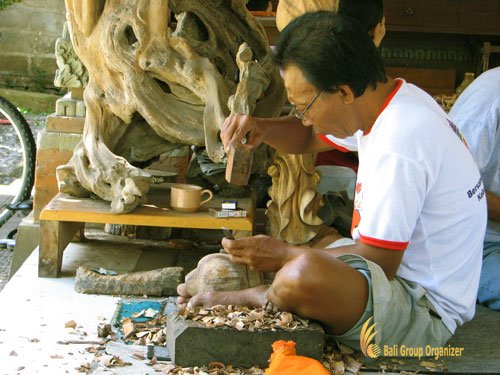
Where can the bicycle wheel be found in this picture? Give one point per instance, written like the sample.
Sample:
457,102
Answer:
17,158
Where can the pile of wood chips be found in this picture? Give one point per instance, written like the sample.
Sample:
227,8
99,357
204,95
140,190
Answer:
148,332
337,358
214,368
338,361
244,318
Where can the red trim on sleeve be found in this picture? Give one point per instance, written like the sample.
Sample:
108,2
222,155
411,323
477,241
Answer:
387,100
329,142
390,245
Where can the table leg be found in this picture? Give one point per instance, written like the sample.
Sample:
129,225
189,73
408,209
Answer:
54,237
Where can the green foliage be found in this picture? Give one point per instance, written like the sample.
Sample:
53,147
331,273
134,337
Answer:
5,3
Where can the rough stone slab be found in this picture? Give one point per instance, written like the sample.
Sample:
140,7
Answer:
192,344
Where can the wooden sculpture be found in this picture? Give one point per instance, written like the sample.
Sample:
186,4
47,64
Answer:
293,208
160,74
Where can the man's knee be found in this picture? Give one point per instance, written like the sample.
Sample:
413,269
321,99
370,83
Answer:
295,281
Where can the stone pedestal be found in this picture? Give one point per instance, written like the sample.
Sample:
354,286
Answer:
192,344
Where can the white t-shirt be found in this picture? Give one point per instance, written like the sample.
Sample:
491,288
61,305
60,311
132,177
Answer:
418,189
477,114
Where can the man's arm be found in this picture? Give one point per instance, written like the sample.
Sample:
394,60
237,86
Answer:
493,202
286,134
264,253
388,260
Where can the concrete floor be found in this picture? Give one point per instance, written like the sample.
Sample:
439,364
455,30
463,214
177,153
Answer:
34,310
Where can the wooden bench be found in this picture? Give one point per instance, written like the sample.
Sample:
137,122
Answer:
64,215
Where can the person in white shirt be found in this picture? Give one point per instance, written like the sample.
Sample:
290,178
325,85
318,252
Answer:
414,260
477,114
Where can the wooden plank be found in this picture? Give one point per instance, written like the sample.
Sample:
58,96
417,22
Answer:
481,17
428,16
155,213
434,81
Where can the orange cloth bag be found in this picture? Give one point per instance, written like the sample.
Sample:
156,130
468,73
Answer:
285,361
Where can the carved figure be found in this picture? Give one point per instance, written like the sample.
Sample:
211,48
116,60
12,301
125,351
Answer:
71,72
171,81
293,208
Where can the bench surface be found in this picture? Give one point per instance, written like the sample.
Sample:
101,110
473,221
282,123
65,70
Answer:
156,212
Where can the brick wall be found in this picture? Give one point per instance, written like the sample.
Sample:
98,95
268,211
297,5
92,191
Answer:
28,31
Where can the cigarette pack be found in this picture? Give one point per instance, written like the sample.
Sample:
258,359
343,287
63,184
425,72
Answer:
224,214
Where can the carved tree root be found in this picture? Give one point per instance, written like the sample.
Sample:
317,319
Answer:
177,81
96,169
160,282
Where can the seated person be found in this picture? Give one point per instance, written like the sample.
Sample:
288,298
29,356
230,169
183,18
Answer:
477,114
416,246
370,13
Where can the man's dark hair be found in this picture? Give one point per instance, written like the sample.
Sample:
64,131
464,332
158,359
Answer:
330,50
368,12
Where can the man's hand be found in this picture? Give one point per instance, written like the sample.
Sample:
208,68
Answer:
261,253
236,127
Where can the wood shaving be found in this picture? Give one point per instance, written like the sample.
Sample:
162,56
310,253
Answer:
70,324
244,318
331,360
145,333
112,361
220,369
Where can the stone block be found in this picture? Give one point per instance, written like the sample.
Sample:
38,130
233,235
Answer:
81,110
47,22
192,344
44,45
45,65
10,64
56,5
13,18
65,124
66,107
15,41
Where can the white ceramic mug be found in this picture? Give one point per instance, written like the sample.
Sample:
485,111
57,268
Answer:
187,198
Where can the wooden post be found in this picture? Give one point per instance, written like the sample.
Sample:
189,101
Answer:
54,237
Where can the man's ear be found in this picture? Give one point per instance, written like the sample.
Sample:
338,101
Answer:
346,94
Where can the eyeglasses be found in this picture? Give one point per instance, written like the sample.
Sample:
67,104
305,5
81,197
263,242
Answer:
300,115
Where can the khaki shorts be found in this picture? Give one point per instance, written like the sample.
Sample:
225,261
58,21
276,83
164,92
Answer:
400,309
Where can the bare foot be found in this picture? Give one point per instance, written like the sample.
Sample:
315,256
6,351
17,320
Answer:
251,297
184,296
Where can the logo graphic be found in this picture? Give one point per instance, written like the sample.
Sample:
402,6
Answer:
366,336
